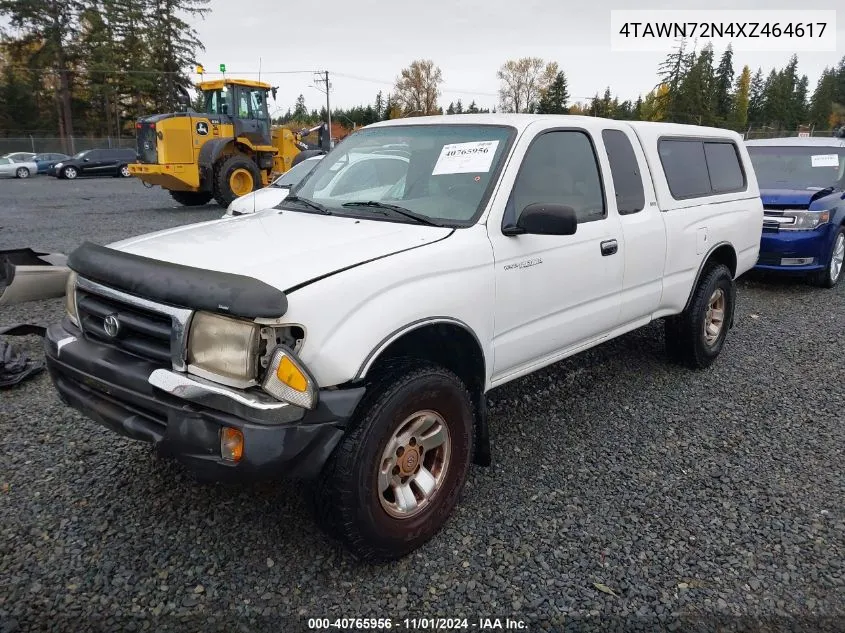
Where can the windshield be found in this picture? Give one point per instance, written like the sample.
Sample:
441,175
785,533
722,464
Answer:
441,172
296,173
809,168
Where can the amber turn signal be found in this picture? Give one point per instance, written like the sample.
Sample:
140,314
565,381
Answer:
231,444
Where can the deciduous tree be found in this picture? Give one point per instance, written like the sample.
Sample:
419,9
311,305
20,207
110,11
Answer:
417,88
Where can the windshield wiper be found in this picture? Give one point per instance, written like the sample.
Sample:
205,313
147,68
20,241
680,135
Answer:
396,209
308,203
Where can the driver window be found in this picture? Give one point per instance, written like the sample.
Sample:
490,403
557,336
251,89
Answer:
561,168
259,105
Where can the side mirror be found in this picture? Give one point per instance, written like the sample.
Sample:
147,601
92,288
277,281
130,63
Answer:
542,218
86,160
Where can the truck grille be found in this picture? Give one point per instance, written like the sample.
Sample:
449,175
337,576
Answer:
147,149
140,332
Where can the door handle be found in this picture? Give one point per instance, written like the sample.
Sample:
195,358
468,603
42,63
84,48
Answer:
609,247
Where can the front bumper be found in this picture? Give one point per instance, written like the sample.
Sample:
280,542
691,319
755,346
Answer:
183,416
776,246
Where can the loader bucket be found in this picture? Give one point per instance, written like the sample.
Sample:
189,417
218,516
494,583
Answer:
26,275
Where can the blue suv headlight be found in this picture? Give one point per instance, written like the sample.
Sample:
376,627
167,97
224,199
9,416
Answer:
804,220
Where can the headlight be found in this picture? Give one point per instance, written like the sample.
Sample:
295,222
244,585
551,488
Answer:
70,298
57,165
805,220
288,381
223,349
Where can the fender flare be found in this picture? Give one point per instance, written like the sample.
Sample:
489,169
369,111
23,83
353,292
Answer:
405,329
483,453
701,266
211,150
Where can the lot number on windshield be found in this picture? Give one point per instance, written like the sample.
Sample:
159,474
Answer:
465,158
825,160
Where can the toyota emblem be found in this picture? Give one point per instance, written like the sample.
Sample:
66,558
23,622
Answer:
111,325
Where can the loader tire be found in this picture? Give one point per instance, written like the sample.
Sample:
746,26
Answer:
192,198
234,177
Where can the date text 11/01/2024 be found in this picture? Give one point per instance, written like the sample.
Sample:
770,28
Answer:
417,624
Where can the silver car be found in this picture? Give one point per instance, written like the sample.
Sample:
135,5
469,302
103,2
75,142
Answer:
11,169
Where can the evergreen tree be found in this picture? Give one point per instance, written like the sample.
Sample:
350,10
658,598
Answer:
756,98
724,83
637,114
379,109
472,109
839,81
173,44
459,107
450,109
300,113
54,27
671,73
800,110
556,97
822,100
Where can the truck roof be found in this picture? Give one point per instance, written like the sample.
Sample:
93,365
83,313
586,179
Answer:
522,121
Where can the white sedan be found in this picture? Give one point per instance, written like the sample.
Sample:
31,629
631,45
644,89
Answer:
274,193
12,169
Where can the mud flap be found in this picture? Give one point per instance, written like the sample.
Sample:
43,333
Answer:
27,275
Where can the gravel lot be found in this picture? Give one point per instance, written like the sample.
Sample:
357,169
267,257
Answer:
690,496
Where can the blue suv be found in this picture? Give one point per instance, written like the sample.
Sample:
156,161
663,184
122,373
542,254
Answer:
802,184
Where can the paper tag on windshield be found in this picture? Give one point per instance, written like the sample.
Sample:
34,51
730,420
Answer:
825,160
465,158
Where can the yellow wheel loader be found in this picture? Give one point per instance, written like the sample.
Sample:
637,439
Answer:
225,152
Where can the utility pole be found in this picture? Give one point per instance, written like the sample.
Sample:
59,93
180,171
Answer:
329,108
323,78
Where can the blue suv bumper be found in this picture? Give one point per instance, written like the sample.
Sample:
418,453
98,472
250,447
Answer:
794,246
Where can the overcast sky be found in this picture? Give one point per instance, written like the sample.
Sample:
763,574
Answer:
371,40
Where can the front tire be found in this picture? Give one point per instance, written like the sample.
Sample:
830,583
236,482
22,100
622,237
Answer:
234,177
191,198
830,276
397,474
22,172
696,336
70,173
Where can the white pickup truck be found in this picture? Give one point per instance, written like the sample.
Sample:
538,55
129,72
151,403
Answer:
349,335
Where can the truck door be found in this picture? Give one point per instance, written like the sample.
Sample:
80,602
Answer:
252,118
555,293
643,230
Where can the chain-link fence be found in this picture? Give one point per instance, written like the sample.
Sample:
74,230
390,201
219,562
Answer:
42,144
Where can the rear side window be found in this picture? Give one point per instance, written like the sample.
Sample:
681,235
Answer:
627,180
725,170
695,168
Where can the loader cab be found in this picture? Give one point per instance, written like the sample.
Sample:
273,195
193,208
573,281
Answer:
244,104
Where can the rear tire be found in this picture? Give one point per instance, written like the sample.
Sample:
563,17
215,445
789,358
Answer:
192,198
830,276
696,336
231,173
123,172
359,498
22,172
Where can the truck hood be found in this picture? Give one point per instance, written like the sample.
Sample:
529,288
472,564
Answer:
284,249
790,197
